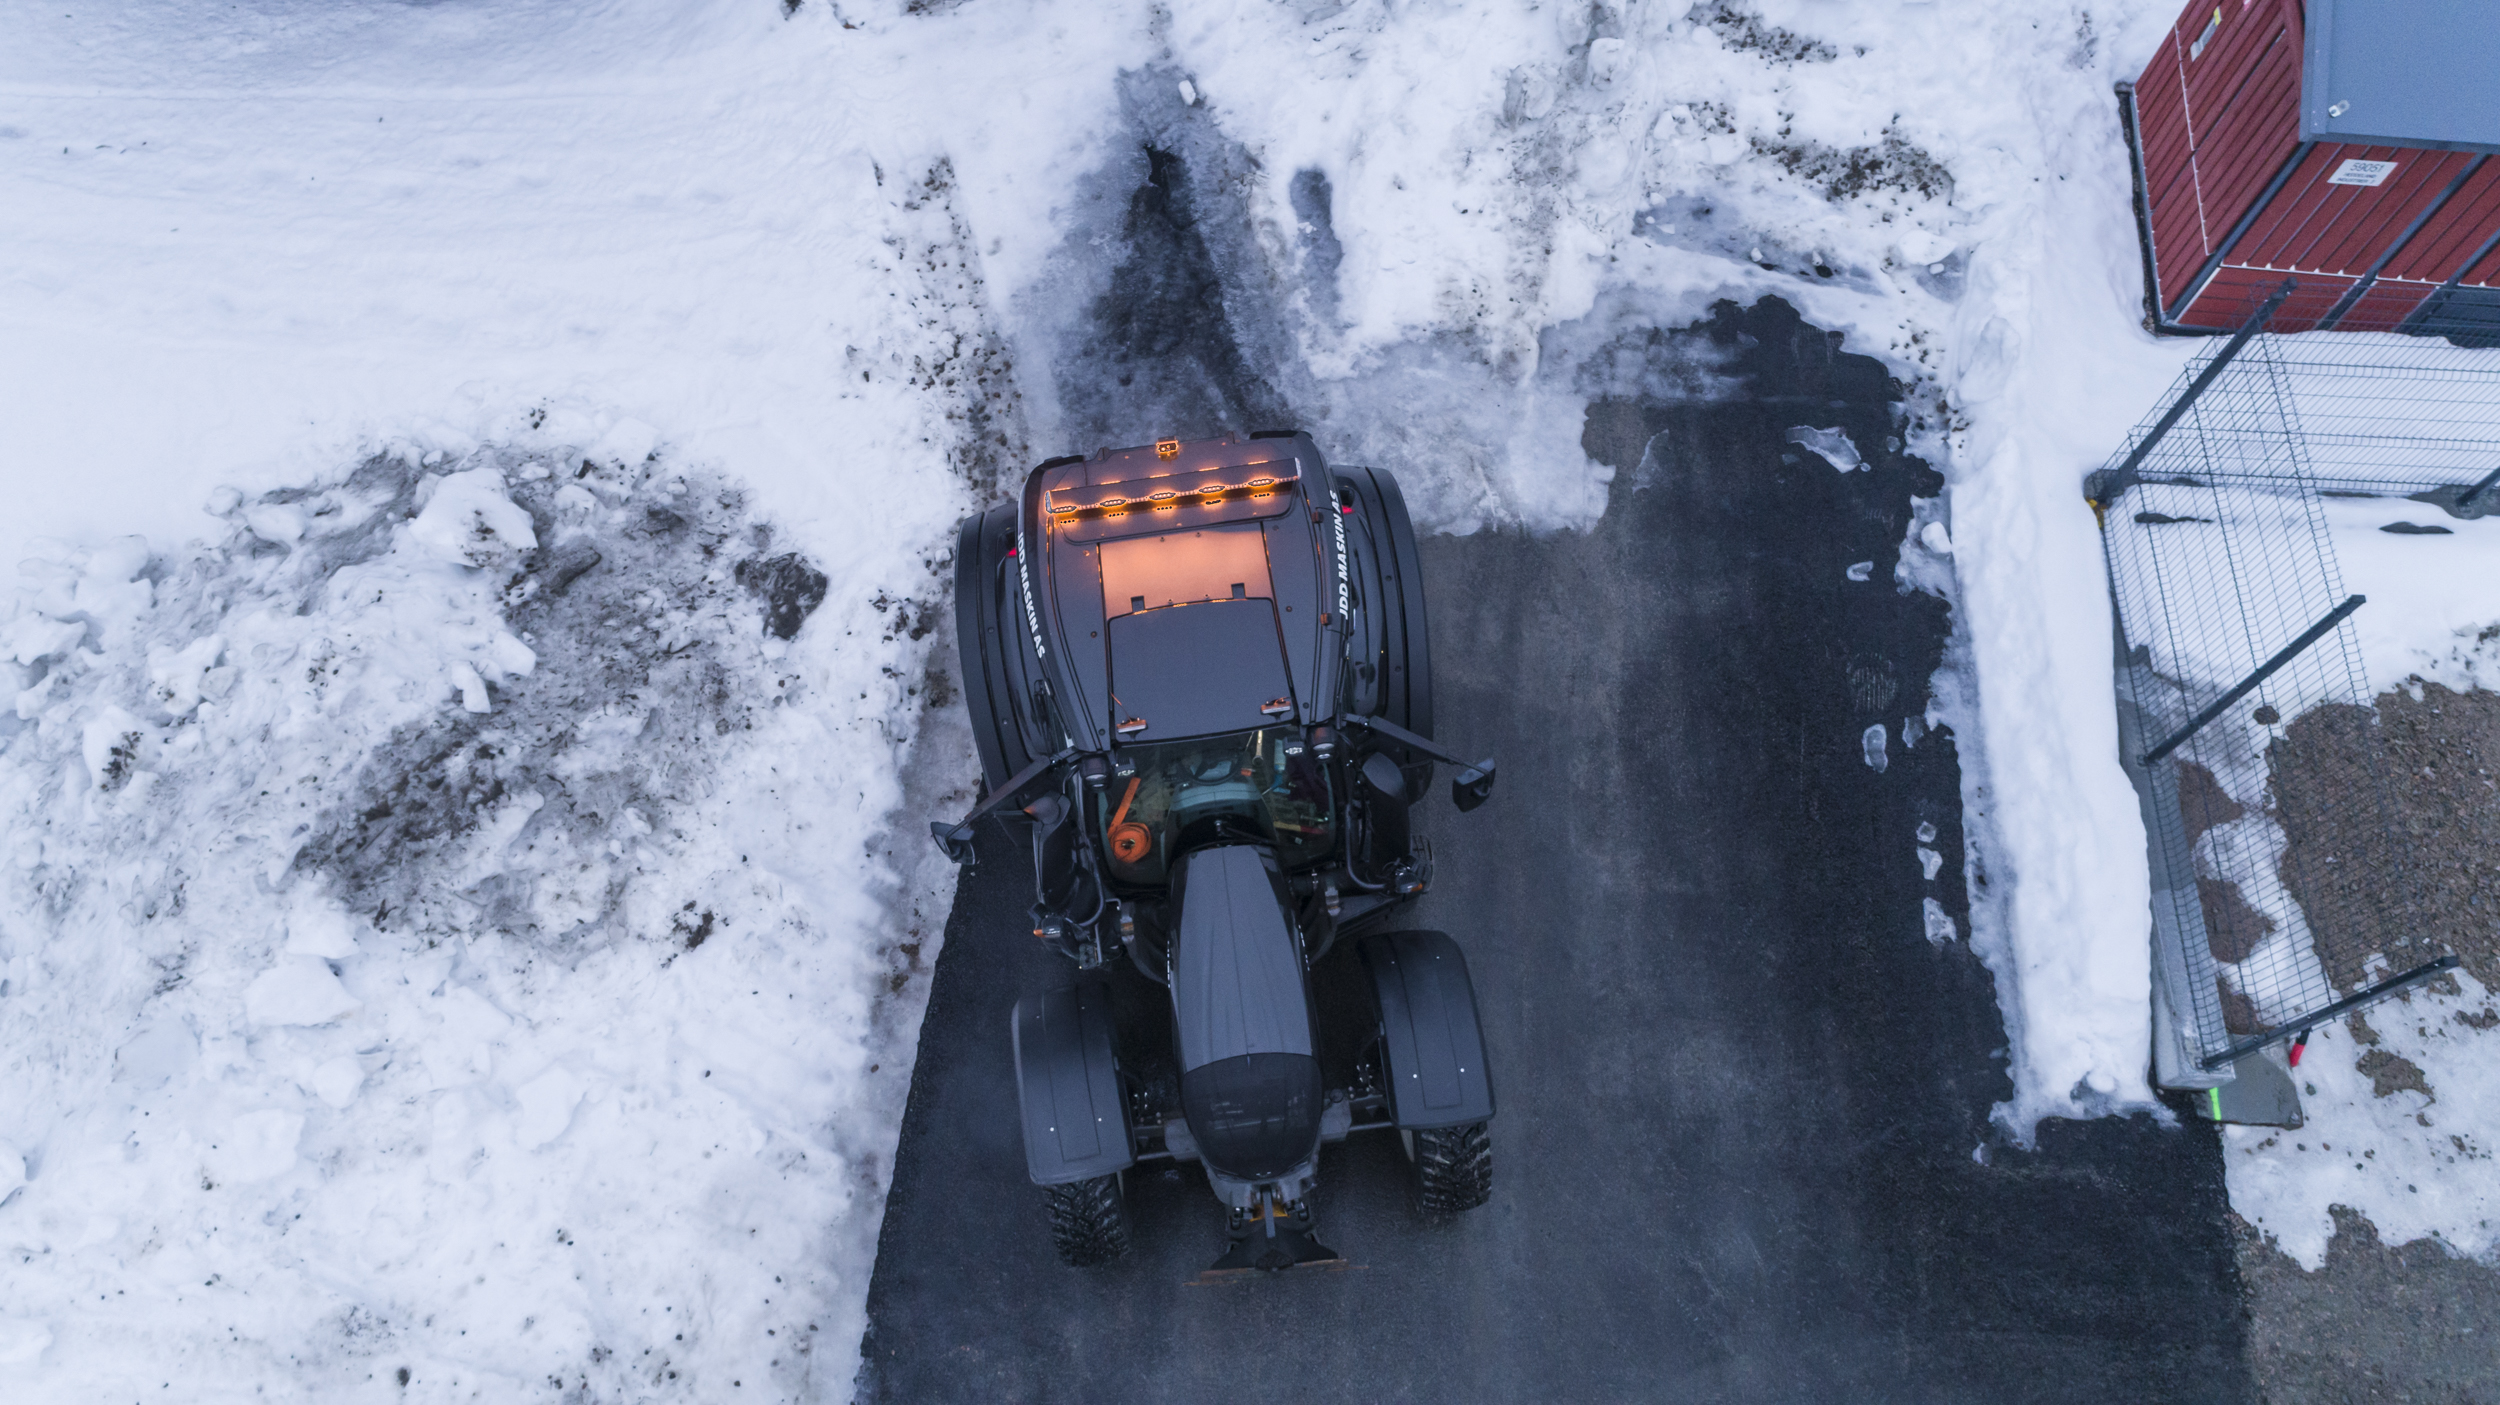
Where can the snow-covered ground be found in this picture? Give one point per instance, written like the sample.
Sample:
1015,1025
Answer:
559,1046
2408,1143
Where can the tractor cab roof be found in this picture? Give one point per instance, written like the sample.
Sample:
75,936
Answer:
1179,590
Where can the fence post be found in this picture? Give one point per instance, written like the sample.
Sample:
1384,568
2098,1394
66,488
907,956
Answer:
2103,486
2478,490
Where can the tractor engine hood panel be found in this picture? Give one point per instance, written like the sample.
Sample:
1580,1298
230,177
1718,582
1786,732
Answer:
1250,1086
1236,963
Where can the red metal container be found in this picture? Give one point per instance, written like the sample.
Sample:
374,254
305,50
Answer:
2345,145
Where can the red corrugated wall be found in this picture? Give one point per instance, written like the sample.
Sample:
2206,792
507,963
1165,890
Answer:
2235,202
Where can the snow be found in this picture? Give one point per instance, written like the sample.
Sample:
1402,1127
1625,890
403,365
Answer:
540,952
298,991
2418,1164
2429,595
467,520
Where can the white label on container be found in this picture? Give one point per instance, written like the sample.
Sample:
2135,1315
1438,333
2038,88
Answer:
2362,173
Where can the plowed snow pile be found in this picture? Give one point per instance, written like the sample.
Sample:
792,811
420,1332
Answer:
421,932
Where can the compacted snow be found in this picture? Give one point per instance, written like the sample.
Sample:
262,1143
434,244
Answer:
466,917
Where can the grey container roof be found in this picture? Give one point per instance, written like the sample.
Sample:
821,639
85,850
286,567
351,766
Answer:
2415,73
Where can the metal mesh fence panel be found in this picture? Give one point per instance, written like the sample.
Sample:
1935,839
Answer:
2245,710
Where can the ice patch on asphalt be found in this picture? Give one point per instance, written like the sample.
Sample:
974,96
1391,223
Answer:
1831,444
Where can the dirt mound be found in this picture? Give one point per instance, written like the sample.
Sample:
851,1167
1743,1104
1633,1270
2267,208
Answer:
2413,854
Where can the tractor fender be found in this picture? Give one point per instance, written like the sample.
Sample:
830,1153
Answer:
1432,1046
1068,1084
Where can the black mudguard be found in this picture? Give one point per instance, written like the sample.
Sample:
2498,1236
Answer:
1068,1083
1432,1046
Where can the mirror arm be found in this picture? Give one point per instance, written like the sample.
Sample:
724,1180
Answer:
1384,727
956,839
1467,790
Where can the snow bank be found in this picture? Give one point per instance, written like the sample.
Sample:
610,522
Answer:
441,930
501,1045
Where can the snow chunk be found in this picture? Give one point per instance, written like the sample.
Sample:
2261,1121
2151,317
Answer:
117,562
469,522
546,1107
1862,571
33,636
176,674
22,1341
1871,741
338,1081
280,522
298,991
110,745
1940,929
257,1146
108,588
1919,246
1937,539
323,930
156,1054
628,443
1832,444
472,688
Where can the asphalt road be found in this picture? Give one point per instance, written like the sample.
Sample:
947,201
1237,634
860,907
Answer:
1740,1088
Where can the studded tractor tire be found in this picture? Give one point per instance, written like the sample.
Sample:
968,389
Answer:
1088,1221
1453,1168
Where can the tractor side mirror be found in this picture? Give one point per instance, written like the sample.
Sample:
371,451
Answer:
954,839
1473,786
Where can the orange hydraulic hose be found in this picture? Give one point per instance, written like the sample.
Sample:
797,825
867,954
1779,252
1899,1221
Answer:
1130,841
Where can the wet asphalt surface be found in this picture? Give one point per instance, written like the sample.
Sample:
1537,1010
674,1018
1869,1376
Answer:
1740,1088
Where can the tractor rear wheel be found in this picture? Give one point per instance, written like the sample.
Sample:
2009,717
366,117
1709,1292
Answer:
1453,1168
1394,642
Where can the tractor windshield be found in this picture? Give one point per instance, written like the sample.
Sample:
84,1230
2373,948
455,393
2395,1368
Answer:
1261,786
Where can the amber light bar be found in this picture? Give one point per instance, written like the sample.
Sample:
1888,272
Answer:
1114,500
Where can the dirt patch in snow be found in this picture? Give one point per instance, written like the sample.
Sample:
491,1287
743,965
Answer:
2431,864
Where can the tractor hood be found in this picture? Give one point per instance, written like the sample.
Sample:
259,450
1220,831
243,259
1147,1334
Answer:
1185,590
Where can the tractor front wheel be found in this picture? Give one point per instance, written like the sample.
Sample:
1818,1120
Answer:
1088,1221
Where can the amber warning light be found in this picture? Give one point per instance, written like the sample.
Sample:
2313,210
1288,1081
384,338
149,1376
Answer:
1070,504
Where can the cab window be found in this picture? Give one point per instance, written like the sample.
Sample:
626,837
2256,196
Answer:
1250,787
